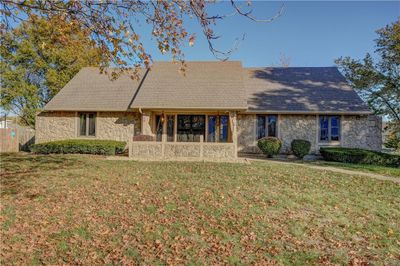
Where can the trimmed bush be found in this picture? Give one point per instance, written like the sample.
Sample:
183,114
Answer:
83,146
270,146
300,147
350,155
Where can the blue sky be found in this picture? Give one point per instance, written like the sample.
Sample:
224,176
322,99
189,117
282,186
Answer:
309,33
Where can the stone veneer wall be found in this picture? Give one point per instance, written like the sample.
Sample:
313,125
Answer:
357,132
59,125
152,150
289,127
117,125
292,127
51,126
246,129
362,132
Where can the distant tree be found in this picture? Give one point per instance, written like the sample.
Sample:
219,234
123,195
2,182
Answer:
284,61
38,58
113,25
378,82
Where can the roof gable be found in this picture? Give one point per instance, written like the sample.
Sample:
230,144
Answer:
91,91
204,85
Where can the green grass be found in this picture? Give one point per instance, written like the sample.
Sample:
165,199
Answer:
71,209
368,168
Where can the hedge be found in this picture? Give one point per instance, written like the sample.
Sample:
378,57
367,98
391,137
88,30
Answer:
352,155
300,147
83,146
269,145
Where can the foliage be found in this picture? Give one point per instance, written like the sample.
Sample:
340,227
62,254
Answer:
114,25
270,146
300,147
37,59
87,210
378,82
352,155
393,140
83,146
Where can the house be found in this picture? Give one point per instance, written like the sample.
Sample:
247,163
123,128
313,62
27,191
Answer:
215,110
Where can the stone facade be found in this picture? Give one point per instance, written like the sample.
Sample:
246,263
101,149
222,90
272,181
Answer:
246,128
117,125
52,126
292,127
152,150
362,132
356,132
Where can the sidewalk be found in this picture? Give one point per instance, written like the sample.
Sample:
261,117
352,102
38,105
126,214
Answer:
331,168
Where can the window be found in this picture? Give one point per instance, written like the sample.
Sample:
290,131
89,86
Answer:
266,126
329,128
212,126
191,128
170,127
87,124
223,128
218,128
159,127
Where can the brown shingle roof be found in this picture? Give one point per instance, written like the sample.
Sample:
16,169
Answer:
213,85
300,89
206,85
91,91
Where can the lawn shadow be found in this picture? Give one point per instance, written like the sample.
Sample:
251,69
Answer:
17,168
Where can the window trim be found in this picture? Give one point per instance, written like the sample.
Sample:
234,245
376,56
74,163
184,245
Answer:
266,117
95,114
330,141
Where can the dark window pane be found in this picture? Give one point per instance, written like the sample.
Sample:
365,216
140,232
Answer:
82,125
335,128
224,122
324,125
334,121
191,127
272,125
260,126
212,123
92,125
170,127
159,127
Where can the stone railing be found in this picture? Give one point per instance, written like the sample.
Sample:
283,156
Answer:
152,150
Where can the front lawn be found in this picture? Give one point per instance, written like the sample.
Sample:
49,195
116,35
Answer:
367,168
71,209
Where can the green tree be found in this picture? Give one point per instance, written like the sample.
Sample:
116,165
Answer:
378,82
38,58
114,25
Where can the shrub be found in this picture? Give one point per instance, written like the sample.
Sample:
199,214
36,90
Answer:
270,145
143,138
300,147
349,155
393,140
83,146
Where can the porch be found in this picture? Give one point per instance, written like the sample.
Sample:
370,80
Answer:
187,136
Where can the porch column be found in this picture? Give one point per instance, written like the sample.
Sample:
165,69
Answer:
164,129
233,126
146,126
